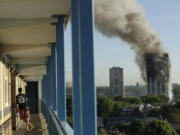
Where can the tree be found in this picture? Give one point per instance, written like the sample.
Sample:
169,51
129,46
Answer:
174,116
134,100
70,120
122,127
163,99
102,131
154,112
69,105
151,99
104,106
130,100
171,113
118,107
177,104
137,127
69,110
176,92
158,127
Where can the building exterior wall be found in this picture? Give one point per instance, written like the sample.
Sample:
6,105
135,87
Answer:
8,89
157,88
5,100
116,82
157,83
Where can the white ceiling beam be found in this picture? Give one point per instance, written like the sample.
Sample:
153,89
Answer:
37,52
29,67
32,70
35,34
32,77
30,60
11,23
13,48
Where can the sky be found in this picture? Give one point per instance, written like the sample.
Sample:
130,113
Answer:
163,16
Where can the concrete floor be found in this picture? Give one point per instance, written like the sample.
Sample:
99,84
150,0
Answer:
40,126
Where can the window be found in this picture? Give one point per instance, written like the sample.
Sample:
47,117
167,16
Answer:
116,81
116,90
17,85
2,84
6,86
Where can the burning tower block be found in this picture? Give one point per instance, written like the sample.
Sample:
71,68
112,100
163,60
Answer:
157,66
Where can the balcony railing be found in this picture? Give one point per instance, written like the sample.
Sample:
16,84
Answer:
55,126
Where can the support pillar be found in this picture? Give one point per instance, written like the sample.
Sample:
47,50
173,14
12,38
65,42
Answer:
39,95
13,100
82,28
61,91
53,80
77,123
43,88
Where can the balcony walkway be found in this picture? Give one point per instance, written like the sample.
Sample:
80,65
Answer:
40,126
32,46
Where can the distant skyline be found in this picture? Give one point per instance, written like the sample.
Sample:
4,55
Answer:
163,16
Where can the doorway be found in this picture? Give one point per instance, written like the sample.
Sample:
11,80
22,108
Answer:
32,95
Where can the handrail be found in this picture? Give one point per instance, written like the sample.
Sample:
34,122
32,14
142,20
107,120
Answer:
59,126
50,118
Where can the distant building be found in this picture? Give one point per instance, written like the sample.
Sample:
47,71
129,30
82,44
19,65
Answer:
157,84
116,82
135,90
129,94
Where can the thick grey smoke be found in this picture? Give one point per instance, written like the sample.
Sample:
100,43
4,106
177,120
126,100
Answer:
126,19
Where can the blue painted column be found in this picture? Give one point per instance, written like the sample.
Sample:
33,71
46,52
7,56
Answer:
77,124
84,12
61,91
54,90
50,81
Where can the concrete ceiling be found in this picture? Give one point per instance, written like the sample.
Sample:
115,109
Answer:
32,8
26,31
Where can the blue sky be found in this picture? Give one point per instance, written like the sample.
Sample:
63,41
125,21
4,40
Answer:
164,17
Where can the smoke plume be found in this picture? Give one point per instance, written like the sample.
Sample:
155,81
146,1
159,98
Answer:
126,19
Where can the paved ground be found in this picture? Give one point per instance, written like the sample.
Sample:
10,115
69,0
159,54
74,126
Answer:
40,127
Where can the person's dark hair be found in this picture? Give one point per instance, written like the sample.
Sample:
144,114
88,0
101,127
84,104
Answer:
20,90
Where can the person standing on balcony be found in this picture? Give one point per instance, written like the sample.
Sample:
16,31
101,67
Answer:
23,108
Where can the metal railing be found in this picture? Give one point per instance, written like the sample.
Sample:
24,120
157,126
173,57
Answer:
55,127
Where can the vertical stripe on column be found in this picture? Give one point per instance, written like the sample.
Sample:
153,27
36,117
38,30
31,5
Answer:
46,87
48,83
77,124
51,78
43,87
